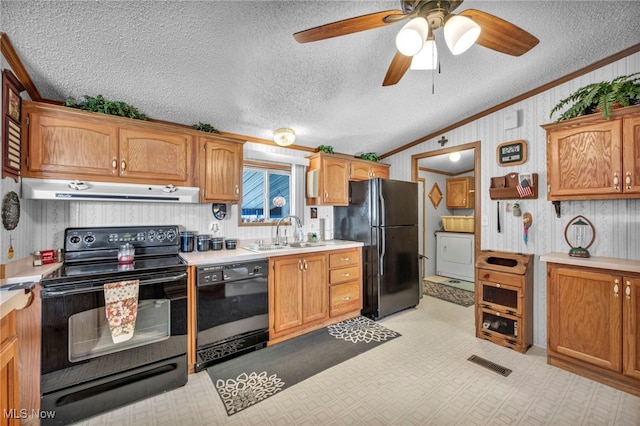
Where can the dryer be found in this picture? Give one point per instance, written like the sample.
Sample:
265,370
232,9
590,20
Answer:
455,255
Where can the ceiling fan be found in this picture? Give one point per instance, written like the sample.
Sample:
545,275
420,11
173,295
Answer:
415,41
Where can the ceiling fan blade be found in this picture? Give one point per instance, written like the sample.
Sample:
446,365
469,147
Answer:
347,26
399,65
500,35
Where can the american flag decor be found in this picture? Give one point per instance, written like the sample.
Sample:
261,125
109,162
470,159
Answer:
524,190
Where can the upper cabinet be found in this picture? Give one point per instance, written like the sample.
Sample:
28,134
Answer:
460,193
332,180
363,170
590,157
66,143
331,173
220,169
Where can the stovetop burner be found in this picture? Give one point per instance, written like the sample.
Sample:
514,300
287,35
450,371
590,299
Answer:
91,254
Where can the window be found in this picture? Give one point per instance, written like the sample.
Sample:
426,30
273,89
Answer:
266,193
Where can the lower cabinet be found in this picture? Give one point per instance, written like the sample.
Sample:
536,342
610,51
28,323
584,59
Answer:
9,391
313,290
593,318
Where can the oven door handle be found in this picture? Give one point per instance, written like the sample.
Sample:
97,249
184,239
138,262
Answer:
53,293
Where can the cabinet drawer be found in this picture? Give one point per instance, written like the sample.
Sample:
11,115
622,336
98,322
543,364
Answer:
344,258
501,278
345,298
341,275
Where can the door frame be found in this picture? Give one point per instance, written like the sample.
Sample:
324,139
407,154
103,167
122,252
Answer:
477,178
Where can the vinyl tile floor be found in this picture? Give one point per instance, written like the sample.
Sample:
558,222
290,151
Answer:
421,378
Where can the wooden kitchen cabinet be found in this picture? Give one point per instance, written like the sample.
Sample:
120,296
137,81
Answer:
590,157
66,143
363,170
460,193
345,279
298,296
593,318
220,169
9,384
332,178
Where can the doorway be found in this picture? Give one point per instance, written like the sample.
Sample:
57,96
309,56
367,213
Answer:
431,170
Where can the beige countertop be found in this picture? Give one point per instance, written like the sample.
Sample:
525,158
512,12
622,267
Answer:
21,271
611,263
241,254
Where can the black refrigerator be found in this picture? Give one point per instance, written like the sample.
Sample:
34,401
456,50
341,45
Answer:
383,214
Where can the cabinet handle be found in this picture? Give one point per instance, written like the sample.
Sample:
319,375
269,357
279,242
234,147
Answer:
237,190
306,265
299,265
123,166
498,285
345,259
627,290
616,181
114,163
346,298
497,314
615,287
628,180
346,275
326,195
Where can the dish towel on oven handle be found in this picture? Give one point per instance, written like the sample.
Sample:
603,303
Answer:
121,308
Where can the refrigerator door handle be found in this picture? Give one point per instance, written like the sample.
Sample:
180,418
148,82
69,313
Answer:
381,210
382,253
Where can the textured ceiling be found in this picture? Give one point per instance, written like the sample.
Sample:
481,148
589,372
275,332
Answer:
235,64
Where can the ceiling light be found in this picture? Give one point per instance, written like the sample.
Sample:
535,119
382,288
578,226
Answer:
460,33
411,37
427,58
284,136
454,156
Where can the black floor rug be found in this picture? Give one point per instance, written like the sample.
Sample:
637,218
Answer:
249,379
449,293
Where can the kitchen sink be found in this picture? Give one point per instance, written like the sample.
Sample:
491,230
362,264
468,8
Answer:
272,247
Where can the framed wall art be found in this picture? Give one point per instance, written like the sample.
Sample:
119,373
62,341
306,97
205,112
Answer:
11,125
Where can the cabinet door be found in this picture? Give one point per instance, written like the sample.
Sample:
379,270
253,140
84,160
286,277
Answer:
221,178
359,171
459,195
379,171
585,160
631,155
70,148
585,316
315,288
630,292
335,181
152,155
286,306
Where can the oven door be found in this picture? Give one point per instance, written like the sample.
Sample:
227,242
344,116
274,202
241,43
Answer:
77,343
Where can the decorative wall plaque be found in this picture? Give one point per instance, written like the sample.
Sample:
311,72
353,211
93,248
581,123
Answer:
12,125
435,195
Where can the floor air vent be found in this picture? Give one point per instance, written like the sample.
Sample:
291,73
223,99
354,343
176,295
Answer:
490,365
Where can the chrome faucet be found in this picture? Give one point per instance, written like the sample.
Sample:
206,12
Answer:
298,225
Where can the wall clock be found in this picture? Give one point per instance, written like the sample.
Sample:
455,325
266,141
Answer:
511,153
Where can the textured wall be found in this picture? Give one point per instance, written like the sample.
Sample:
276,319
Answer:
617,222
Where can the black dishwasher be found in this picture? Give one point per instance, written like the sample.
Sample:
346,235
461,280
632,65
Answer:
232,308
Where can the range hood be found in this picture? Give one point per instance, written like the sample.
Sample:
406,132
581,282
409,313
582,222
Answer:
74,190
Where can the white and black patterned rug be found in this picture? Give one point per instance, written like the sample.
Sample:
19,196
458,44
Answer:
249,379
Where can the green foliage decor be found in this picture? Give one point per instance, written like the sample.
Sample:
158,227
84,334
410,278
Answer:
371,156
327,149
204,127
623,90
105,106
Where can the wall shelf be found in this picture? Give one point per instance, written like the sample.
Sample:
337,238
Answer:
505,187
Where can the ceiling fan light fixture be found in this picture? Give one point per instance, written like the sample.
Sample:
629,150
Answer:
454,156
411,37
460,33
427,58
284,136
